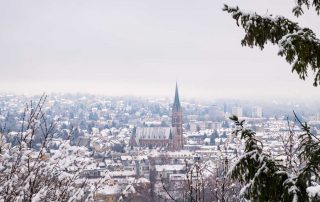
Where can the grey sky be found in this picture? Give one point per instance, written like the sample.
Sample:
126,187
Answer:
141,47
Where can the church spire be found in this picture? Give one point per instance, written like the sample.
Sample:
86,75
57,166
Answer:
176,103
177,136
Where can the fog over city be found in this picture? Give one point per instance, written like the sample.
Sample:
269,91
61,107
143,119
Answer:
158,101
142,48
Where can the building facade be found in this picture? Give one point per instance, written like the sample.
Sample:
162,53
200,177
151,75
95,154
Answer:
257,112
237,111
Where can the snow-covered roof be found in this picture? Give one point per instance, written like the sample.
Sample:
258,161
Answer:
152,133
177,177
109,190
122,173
181,153
126,158
160,168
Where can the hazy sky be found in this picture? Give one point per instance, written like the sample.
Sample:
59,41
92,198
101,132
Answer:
141,47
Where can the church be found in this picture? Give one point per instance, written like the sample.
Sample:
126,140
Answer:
162,137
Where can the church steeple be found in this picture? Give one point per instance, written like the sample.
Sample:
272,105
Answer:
176,103
177,136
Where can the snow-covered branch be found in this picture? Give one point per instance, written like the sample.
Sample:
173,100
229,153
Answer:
30,170
298,45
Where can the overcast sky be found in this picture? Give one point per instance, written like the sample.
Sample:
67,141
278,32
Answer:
142,47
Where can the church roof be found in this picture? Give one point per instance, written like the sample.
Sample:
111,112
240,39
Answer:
176,103
153,133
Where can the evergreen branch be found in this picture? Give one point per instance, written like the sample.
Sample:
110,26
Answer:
298,11
262,178
299,46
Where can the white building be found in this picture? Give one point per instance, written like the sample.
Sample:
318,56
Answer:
237,111
257,112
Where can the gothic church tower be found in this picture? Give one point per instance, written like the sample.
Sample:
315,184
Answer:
177,137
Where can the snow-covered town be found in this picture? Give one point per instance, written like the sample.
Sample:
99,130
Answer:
147,149
159,101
